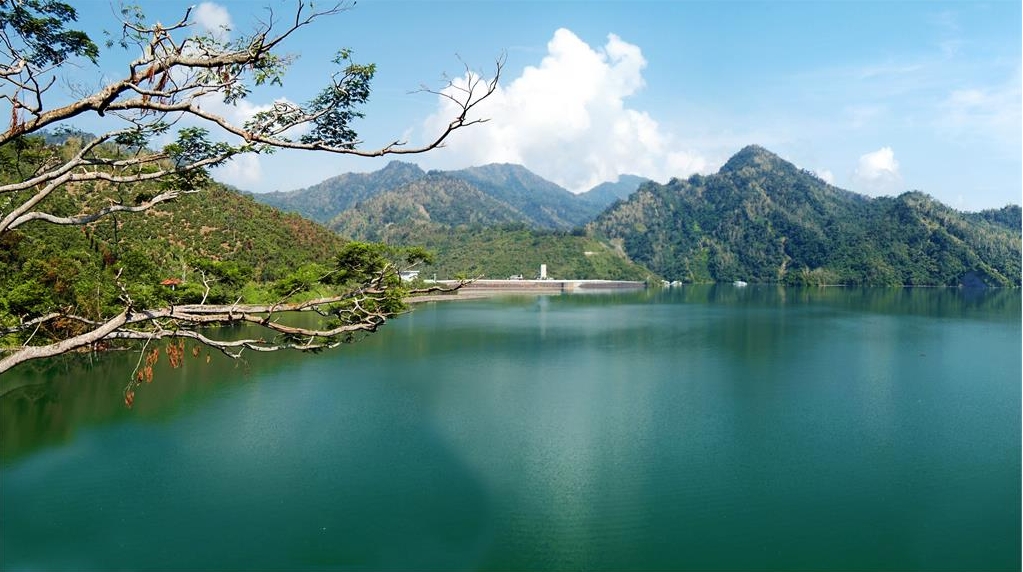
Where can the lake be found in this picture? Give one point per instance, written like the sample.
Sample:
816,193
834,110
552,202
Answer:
758,428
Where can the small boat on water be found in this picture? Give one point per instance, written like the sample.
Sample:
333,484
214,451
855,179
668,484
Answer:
739,284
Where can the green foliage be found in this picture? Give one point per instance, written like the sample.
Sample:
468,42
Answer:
193,145
335,106
511,250
303,279
19,160
218,239
761,219
40,25
1008,216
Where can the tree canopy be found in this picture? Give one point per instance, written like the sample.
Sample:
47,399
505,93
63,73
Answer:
88,179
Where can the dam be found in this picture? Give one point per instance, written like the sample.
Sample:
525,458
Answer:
545,286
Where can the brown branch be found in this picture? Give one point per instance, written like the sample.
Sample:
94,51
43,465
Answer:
35,352
166,83
87,218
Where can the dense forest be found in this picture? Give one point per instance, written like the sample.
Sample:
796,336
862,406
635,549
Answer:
216,244
762,219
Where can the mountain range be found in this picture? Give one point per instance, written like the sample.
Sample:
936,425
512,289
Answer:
494,220
759,219
538,202
762,219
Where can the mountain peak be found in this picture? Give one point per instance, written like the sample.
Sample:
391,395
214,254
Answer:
753,156
400,167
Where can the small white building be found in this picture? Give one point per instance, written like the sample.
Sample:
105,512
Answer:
408,275
543,272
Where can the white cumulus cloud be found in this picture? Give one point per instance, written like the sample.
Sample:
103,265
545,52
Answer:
878,172
213,19
880,164
567,120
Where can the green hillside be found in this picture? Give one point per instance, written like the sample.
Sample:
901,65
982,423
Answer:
242,249
545,204
399,215
323,201
761,219
513,250
473,233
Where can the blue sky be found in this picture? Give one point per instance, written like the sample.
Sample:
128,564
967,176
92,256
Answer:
877,97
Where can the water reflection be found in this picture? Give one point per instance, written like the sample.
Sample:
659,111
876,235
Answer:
46,402
43,402
699,427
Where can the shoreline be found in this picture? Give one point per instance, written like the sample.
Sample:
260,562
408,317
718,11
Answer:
489,288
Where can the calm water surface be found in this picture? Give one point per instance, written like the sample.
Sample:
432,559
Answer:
699,428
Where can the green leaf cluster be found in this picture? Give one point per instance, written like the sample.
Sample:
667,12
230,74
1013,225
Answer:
40,26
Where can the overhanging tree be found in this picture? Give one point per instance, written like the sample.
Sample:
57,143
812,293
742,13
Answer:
167,91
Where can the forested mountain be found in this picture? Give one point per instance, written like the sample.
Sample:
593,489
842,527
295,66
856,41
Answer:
546,204
323,201
400,214
220,236
605,194
161,255
1007,216
475,234
761,219
539,203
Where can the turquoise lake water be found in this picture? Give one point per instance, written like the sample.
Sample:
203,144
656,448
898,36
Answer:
702,428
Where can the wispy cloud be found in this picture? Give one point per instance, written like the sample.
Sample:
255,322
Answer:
243,171
990,112
885,70
950,41
827,176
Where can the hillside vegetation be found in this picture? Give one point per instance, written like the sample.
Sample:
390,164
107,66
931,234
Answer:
244,250
544,204
536,201
474,234
324,201
761,219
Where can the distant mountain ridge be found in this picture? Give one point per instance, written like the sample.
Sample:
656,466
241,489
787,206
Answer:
541,203
762,219
436,199
325,200
607,193
474,233
545,204
759,219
